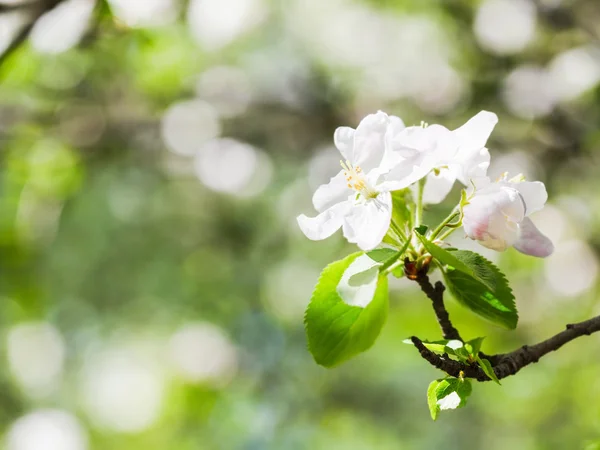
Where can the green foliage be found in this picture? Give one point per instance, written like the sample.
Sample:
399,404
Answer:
336,331
486,366
381,255
474,345
400,212
449,258
421,230
447,393
496,304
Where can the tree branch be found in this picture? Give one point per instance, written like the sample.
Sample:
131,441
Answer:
510,363
436,295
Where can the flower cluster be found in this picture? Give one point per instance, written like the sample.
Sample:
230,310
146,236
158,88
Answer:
382,156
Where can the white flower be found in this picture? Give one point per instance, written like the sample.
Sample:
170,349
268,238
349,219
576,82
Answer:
441,155
355,199
497,215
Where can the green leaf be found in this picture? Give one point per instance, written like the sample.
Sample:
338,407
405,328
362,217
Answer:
398,272
451,347
438,347
434,409
381,255
496,304
447,393
453,260
335,330
487,368
474,345
479,265
421,230
400,211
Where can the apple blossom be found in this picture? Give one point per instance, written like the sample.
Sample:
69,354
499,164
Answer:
497,215
440,155
356,199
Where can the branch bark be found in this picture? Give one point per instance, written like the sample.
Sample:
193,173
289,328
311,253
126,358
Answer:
510,363
504,364
436,295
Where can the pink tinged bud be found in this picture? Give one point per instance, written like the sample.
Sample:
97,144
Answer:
492,217
532,241
496,217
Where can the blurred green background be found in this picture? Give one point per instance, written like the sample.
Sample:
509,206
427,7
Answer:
153,157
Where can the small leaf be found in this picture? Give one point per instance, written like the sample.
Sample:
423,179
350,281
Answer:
452,348
474,345
395,257
487,368
455,344
421,230
447,393
438,347
335,330
496,304
434,409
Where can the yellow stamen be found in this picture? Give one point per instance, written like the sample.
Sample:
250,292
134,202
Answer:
357,181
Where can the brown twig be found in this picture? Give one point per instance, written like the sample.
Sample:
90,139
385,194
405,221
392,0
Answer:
436,295
510,363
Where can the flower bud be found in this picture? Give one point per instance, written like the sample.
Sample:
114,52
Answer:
496,216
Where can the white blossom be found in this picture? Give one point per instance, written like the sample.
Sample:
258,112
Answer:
441,155
356,199
497,215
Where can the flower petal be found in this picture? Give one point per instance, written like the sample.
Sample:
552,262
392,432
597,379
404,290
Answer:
367,223
343,138
533,193
438,186
473,165
369,141
329,194
359,281
532,242
474,134
326,223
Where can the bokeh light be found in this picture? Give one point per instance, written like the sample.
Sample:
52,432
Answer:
505,26
187,125
202,353
574,72
63,27
216,23
226,88
47,429
578,275
230,166
36,355
145,13
122,389
528,92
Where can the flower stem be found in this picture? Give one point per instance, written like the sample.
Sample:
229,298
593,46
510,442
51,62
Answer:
447,233
398,230
446,223
419,210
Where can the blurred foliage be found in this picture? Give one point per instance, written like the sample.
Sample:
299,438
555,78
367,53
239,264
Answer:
111,238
